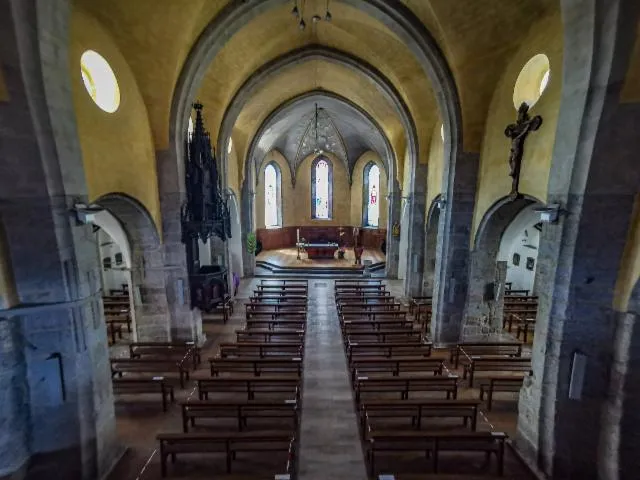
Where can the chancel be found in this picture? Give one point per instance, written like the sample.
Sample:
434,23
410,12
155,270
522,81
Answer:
319,239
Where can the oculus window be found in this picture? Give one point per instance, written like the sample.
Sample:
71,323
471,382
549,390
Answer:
100,81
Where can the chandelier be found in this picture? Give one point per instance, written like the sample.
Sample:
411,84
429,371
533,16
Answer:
298,13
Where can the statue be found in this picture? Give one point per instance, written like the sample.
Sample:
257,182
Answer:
518,132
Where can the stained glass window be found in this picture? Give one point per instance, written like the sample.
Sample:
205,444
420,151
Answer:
321,193
271,188
373,196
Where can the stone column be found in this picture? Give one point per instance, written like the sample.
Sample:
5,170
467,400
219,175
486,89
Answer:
594,177
452,257
248,226
430,247
55,337
415,251
393,243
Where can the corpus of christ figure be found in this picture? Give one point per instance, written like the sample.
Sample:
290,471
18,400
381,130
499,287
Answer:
518,132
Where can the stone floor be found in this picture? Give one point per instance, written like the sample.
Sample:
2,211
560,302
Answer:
329,438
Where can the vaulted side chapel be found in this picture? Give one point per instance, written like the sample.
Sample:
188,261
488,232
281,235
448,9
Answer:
319,239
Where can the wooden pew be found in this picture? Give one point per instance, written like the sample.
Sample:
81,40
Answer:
128,386
361,295
513,293
421,441
351,289
256,366
273,309
466,350
402,386
368,299
415,302
166,350
262,335
114,330
119,319
227,444
284,282
415,410
278,299
492,385
377,366
517,318
277,323
385,335
119,366
352,326
526,325
240,410
368,307
495,364
261,349
368,281
388,349
286,387
298,290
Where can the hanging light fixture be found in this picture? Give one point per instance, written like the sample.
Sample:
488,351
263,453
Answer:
317,150
298,12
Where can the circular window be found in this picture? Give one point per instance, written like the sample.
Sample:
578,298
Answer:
100,81
532,81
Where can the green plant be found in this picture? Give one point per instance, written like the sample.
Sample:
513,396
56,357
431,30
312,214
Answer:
251,243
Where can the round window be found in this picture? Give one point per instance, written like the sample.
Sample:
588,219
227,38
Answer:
100,81
532,81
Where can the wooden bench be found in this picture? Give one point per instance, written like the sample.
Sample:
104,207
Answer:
367,298
123,302
495,364
276,323
513,293
492,385
358,295
403,386
241,411
279,299
373,313
385,335
362,307
274,336
418,301
368,366
256,366
261,349
267,385
119,319
128,386
432,443
266,294
272,310
389,349
415,410
285,282
527,325
466,350
227,443
119,366
299,290
349,326
114,330
166,349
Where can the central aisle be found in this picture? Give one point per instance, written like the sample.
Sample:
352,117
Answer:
329,441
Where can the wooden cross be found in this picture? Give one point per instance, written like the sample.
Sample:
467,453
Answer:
518,132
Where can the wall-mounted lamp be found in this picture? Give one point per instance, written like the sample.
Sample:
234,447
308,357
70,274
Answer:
441,202
84,213
550,213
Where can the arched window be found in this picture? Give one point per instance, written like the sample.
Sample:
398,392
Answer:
272,203
371,194
321,188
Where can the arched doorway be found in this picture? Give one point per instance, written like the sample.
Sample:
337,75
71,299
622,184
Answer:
504,258
431,242
114,252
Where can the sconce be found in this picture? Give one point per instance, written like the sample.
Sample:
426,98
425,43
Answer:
550,213
85,214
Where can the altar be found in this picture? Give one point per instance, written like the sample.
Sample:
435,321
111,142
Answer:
318,251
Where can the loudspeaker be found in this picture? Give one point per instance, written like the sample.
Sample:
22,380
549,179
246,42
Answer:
489,292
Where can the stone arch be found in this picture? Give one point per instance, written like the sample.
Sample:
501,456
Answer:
430,245
484,253
400,20
148,291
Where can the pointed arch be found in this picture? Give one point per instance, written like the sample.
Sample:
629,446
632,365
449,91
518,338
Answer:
322,188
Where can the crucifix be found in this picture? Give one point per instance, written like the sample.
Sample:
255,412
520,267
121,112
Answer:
518,132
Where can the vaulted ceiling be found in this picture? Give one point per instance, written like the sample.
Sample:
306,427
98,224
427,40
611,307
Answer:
475,36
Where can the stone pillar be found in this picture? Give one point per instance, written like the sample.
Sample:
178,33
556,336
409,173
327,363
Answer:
431,244
171,269
452,257
594,177
248,226
415,230
63,424
393,243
